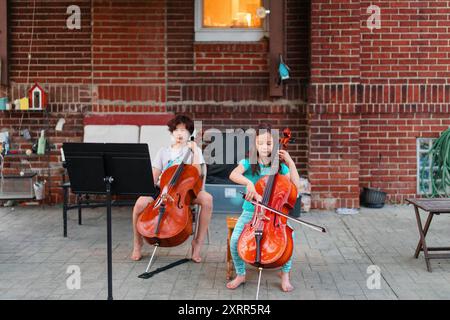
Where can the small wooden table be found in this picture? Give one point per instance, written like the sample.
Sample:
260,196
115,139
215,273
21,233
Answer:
433,207
231,223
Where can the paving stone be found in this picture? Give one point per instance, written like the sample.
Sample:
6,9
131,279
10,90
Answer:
34,258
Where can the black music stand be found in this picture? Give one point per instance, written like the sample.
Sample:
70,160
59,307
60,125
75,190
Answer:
109,169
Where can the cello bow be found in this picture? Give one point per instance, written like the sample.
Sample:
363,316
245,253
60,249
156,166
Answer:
300,221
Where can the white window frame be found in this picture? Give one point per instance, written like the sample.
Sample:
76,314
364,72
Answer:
227,34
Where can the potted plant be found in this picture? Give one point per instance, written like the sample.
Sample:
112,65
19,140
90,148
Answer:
373,197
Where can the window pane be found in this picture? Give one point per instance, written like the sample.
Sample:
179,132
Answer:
424,171
231,14
425,145
424,160
425,188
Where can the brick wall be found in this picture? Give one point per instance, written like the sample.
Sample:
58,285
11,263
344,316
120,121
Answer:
117,65
231,71
356,103
372,94
411,48
139,56
405,91
61,62
128,48
225,85
334,119
232,116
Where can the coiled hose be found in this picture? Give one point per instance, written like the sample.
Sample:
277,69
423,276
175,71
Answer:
440,166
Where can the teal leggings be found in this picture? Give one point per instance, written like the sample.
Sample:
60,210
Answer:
239,264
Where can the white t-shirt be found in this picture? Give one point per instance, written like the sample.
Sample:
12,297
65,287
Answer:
167,157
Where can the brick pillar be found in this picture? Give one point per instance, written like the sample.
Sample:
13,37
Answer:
333,110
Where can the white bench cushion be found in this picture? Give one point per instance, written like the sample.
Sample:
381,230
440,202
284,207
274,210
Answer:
156,137
111,133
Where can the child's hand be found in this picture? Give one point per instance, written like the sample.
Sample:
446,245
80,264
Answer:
252,194
285,156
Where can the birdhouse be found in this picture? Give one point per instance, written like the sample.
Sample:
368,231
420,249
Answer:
37,97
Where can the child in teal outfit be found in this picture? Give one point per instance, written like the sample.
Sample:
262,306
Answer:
248,174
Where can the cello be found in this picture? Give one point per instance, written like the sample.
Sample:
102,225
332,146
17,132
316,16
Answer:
266,241
167,221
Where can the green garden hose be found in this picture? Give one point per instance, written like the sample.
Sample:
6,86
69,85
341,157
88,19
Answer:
440,166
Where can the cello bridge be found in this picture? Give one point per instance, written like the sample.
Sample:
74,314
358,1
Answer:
262,216
167,198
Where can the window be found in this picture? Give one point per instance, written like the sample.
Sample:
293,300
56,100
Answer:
424,165
231,14
424,185
228,20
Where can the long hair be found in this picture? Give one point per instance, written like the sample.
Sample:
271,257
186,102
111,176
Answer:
253,153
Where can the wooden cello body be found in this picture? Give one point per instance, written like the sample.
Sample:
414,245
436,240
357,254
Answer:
276,244
167,221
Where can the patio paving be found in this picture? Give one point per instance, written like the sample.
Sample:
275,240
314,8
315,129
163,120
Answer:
34,259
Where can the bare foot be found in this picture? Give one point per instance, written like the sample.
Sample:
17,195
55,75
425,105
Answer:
286,285
196,252
236,282
136,255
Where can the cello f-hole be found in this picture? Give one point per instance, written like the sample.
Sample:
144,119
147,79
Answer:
179,202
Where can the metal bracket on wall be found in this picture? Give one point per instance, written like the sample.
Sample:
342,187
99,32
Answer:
277,34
